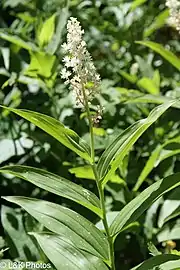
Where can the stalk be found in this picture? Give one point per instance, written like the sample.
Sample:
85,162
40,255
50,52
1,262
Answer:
99,185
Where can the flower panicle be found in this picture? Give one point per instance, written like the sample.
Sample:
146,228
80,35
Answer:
174,10
79,71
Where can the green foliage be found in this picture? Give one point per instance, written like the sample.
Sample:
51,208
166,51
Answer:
125,199
46,32
169,56
53,127
57,185
138,205
115,153
63,254
67,223
165,262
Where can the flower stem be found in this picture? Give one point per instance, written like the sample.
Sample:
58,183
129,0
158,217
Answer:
99,186
105,223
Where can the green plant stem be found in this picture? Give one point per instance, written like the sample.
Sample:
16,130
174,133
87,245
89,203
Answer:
99,185
105,223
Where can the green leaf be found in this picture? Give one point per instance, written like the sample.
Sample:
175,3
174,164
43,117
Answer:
153,250
129,77
160,153
20,244
169,56
99,131
137,3
56,129
158,22
18,41
85,172
160,262
134,209
150,164
148,85
176,213
47,31
41,65
66,256
61,22
170,231
170,205
61,220
57,185
119,148
157,79
152,99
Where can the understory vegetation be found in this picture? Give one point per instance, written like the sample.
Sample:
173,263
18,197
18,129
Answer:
90,134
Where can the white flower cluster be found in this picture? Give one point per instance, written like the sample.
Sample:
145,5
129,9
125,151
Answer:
79,70
174,9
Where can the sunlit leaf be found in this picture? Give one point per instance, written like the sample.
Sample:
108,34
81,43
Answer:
47,31
136,3
168,55
41,65
53,127
148,85
158,22
85,172
129,77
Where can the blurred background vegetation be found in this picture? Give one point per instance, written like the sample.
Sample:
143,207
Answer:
134,78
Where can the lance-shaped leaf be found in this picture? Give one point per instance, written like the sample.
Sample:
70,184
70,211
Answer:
47,30
64,255
160,153
152,99
66,222
56,129
134,209
18,41
57,185
168,55
114,154
160,262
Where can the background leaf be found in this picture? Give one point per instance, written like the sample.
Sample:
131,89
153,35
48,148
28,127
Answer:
20,244
168,55
47,31
134,209
161,262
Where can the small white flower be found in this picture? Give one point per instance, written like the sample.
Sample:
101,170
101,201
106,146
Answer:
74,62
65,74
174,10
84,76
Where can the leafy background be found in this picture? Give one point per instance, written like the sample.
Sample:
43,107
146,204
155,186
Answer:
134,79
